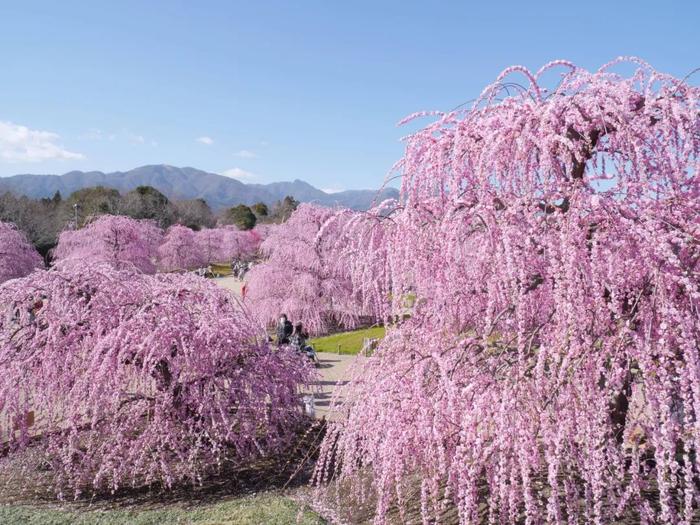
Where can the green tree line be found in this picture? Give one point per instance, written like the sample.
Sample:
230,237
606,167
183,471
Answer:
43,219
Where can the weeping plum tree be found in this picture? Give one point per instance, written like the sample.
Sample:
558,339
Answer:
210,244
17,256
180,250
117,240
550,369
186,249
137,379
297,279
356,245
240,244
249,242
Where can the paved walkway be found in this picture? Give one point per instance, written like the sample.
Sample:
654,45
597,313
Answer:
333,369
230,283
334,372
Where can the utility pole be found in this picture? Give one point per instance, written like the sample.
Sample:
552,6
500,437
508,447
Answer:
75,210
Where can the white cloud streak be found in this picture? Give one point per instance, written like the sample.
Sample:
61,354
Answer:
21,144
208,141
246,154
97,134
136,139
240,174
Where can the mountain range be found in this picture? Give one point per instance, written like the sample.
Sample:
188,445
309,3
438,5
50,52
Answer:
190,183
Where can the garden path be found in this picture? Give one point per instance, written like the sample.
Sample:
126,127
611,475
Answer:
334,369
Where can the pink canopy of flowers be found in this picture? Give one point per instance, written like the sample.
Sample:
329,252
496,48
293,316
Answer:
181,251
17,256
550,369
240,245
137,379
210,243
299,277
124,242
120,241
227,244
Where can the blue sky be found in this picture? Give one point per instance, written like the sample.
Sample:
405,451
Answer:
269,91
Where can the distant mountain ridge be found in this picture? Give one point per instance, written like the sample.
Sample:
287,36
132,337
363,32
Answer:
190,183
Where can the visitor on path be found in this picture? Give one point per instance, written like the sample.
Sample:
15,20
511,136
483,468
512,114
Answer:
284,330
299,340
299,337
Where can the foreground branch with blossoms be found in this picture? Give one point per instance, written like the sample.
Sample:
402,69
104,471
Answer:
549,371
126,379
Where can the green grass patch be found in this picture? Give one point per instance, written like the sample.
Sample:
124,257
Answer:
221,269
350,342
251,510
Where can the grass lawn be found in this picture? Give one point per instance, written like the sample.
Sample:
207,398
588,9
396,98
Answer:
350,342
251,510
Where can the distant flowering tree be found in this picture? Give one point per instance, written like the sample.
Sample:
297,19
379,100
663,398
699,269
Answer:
228,243
298,279
17,256
240,245
231,243
180,250
357,246
264,230
136,379
119,241
249,243
210,244
550,368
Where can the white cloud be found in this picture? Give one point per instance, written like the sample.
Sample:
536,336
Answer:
205,140
246,154
21,144
136,139
97,134
332,190
240,174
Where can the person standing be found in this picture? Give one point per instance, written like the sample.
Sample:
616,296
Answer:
284,330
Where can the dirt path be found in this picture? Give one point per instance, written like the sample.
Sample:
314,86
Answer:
230,283
333,369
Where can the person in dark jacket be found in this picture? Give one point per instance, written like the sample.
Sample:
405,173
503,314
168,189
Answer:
284,330
299,337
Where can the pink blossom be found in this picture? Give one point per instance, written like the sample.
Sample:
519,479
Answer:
137,379
17,256
547,367
119,241
301,277
180,250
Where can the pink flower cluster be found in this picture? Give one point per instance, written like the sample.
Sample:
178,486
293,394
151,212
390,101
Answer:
17,256
119,241
129,379
124,242
544,267
302,276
